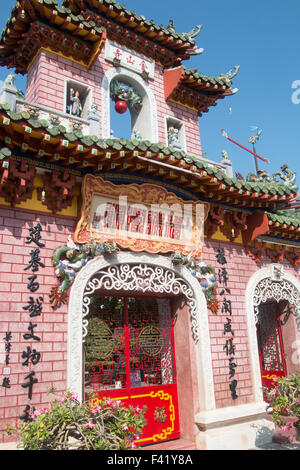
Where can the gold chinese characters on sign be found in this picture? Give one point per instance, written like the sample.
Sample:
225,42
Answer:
160,415
140,218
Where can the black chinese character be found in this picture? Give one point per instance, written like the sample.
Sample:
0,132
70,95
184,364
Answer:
226,307
221,256
228,327
31,355
223,276
35,261
27,416
7,336
35,236
232,387
30,384
31,334
6,382
226,290
232,367
34,306
229,347
32,285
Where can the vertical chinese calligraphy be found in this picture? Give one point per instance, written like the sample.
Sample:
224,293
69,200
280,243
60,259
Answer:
7,344
34,307
228,332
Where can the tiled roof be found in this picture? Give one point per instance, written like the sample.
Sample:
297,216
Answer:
37,139
42,23
33,23
121,14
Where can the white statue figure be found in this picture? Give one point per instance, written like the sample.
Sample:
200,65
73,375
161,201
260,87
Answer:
173,138
76,107
10,79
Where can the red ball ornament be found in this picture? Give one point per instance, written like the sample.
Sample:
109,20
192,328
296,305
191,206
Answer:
121,107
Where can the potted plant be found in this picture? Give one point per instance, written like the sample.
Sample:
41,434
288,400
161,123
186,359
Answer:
284,401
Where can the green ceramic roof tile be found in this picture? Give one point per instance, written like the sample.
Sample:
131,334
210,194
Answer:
140,18
285,217
224,79
88,141
4,153
104,144
118,144
62,11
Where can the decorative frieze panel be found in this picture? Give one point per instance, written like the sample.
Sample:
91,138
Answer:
277,254
58,190
17,181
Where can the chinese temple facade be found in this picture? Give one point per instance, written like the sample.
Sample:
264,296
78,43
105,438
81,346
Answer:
136,268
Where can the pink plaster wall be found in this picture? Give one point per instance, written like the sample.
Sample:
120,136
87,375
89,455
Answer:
14,295
52,325
186,371
240,268
46,86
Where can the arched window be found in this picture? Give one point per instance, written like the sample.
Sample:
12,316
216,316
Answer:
141,106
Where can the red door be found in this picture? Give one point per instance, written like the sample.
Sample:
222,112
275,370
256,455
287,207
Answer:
130,357
271,353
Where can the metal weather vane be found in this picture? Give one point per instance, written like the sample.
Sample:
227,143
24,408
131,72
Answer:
252,140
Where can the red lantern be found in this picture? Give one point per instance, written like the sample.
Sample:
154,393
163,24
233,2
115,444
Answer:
121,107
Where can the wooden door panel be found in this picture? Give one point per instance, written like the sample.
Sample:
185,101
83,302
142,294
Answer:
130,357
271,353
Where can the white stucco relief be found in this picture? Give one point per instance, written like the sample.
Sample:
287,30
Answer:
124,272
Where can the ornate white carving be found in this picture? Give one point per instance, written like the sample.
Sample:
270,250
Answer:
268,289
262,288
133,272
140,278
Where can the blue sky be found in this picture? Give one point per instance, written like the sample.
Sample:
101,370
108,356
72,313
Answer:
263,37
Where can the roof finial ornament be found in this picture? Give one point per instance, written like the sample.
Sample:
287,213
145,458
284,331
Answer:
232,73
170,26
287,176
254,138
195,32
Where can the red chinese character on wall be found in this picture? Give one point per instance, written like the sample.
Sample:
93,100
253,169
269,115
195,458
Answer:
144,66
130,60
117,53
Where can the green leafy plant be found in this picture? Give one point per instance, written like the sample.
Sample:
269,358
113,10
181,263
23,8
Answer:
70,425
284,400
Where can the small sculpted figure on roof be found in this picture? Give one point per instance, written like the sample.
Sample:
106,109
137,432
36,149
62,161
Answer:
287,176
10,79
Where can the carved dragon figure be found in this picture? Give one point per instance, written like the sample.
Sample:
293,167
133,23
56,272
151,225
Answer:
232,73
204,273
288,177
189,36
69,260
121,91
